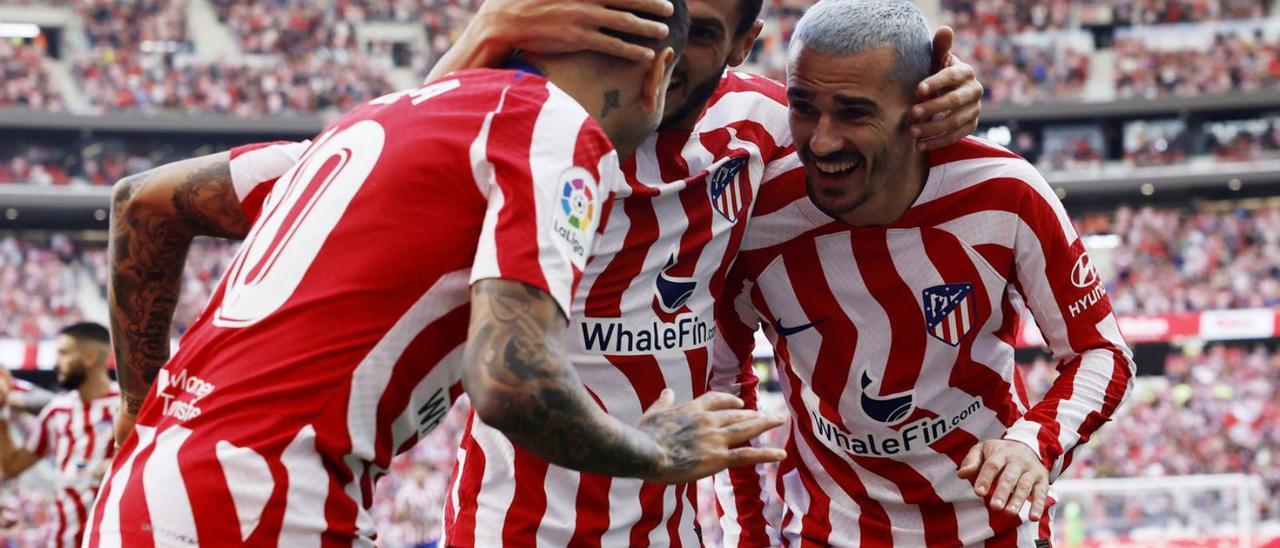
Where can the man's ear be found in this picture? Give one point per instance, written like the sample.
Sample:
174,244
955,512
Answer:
748,41
94,353
655,81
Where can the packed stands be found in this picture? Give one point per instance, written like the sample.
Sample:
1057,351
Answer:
1212,412
38,283
1197,61
24,80
1171,260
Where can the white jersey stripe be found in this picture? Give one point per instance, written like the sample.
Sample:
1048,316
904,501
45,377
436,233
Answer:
110,529
492,504
250,481
172,520
304,518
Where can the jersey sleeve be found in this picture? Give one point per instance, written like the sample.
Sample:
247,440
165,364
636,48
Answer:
546,169
1071,307
40,439
740,492
255,169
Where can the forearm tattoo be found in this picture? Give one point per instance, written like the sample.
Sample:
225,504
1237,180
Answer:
147,250
519,348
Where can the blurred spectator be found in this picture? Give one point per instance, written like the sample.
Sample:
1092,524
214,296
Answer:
1214,412
299,85
126,24
1202,258
24,82
38,284
99,160
1234,61
1155,12
1156,142
1072,148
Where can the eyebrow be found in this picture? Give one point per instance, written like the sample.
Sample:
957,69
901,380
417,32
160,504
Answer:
798,93
860,102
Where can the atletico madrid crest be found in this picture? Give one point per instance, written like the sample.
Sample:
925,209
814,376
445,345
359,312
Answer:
949,314
730,193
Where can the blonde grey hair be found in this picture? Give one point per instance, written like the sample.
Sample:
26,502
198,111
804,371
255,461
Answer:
841,27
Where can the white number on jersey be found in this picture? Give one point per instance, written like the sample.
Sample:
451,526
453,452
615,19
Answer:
303,208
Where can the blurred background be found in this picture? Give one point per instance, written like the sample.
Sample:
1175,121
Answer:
1156,121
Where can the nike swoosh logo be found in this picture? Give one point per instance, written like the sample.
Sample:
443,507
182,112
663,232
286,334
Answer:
789,331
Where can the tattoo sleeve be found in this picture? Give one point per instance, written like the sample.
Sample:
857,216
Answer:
519,383
155,215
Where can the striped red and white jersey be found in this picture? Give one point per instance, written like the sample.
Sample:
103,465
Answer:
77,438
335,339
894,346
642,321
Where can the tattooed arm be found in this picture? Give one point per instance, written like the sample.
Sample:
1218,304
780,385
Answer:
519,384
154,217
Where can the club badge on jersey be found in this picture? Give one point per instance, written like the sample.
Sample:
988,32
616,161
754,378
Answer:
730,193
948,312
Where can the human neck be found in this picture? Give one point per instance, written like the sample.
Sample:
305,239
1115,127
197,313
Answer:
95,385
895,199
595,92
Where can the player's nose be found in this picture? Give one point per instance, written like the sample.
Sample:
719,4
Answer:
825,140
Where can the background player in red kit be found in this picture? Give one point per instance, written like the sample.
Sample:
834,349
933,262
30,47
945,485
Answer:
336,338
73,430
891,289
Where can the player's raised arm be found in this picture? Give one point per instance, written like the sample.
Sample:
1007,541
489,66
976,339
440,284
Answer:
520,384
552,26
154,217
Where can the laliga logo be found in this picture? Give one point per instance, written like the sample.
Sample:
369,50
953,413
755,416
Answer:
1083,275
578,203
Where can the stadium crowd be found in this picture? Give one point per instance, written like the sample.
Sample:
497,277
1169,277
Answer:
24,81
1234,62
1200,258
38,283
1168,260
137,57
1212,412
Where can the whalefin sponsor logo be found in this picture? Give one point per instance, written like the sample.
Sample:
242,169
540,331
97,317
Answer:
672,293
890,409
615,336
913,437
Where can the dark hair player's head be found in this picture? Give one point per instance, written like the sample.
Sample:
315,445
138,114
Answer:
626,97
82,348
721,34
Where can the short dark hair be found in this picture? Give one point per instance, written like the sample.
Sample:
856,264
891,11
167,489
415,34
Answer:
87,331
677,25
748,12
